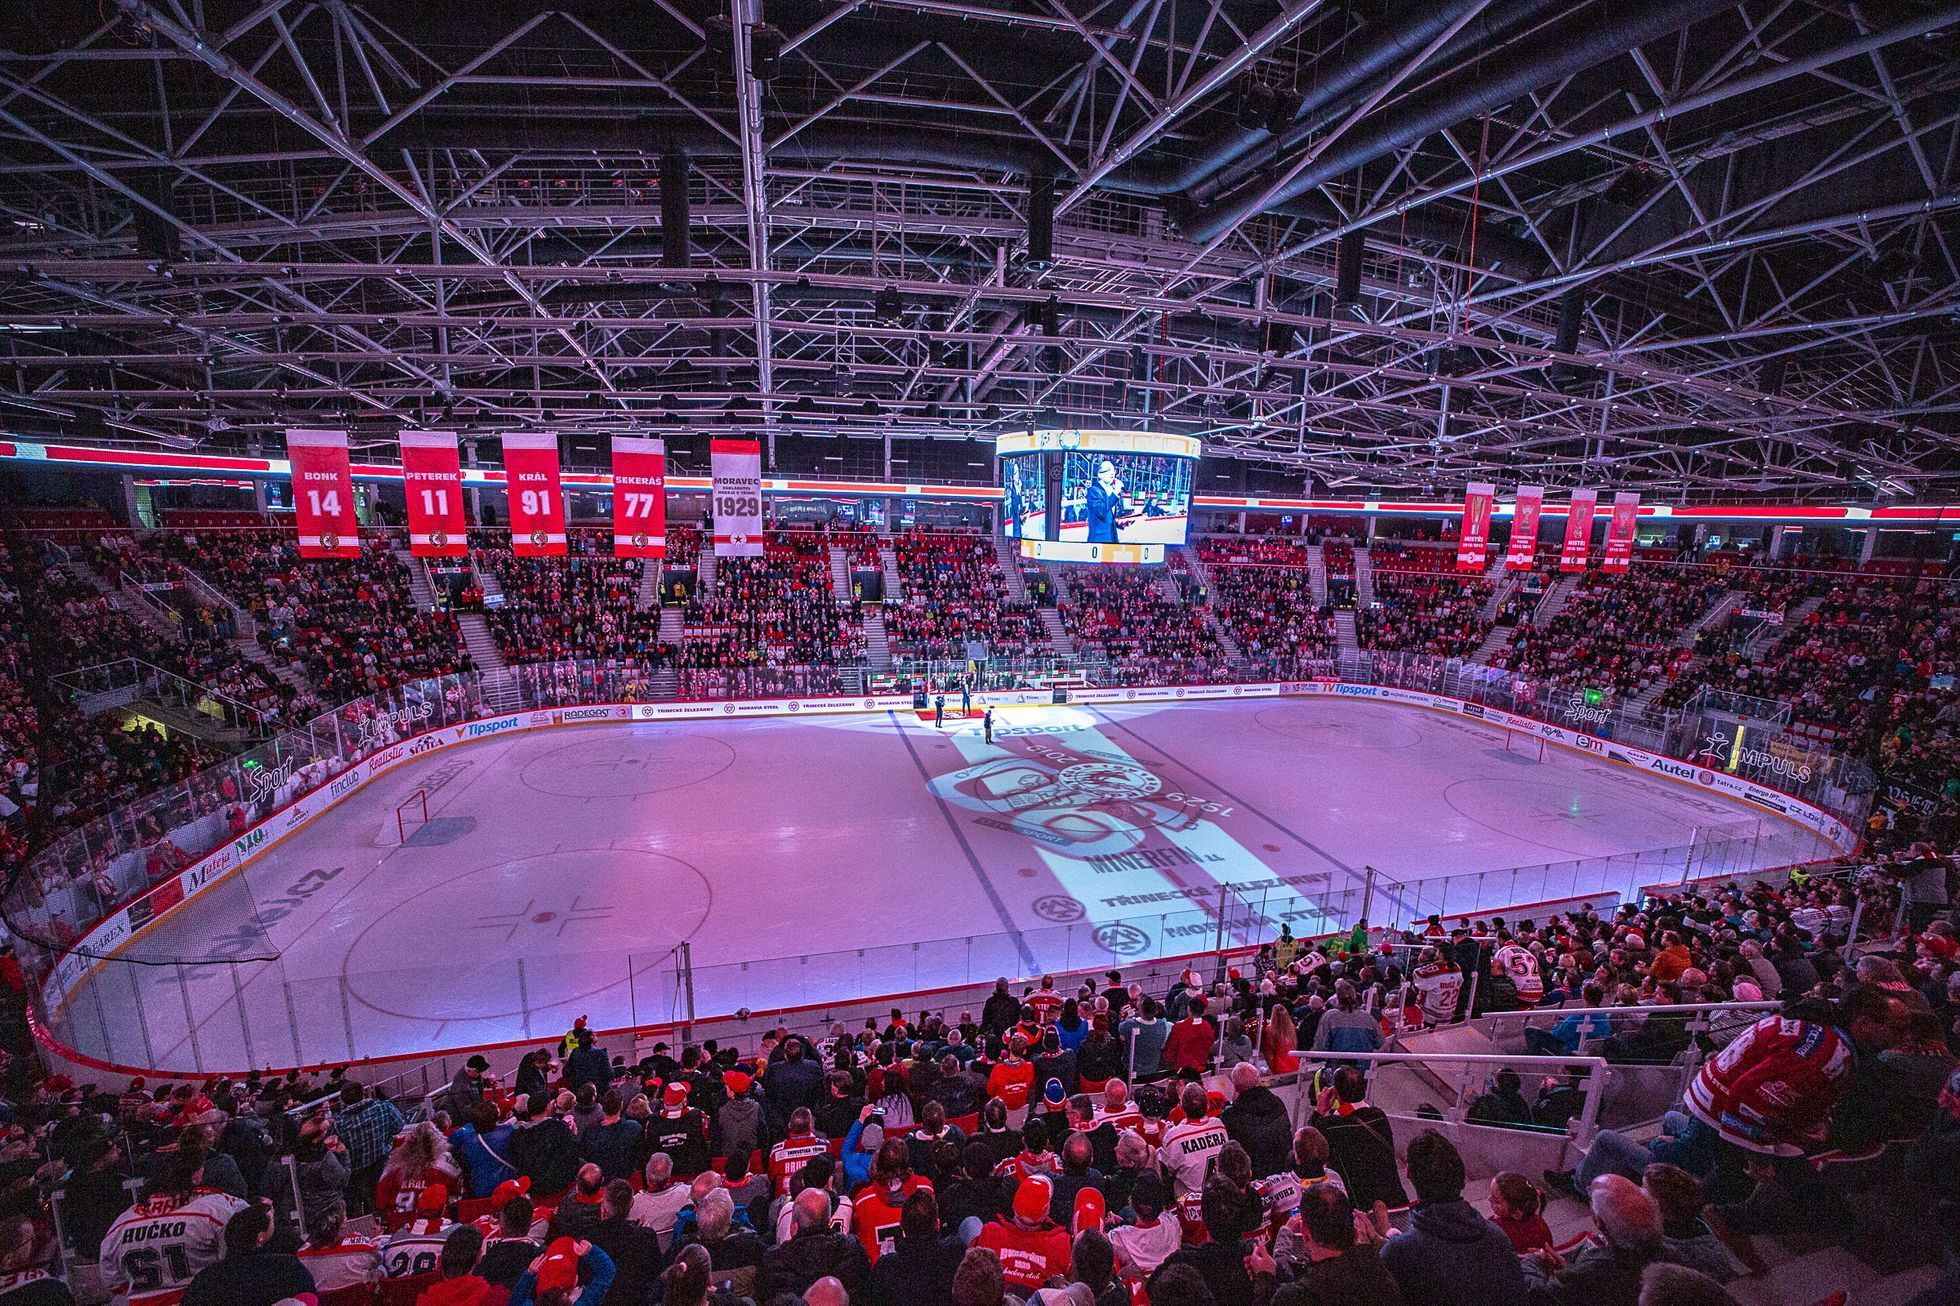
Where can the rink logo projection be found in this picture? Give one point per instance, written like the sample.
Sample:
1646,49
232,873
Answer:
1129,851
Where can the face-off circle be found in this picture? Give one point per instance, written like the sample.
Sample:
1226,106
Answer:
583,902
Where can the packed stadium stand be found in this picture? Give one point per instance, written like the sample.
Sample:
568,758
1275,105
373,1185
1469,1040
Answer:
980,652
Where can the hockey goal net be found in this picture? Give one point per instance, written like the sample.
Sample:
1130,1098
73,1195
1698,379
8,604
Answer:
411,814
1526,743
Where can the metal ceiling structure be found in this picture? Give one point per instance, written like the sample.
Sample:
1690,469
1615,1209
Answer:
1682,246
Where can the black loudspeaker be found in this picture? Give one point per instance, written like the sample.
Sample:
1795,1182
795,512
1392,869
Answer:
156,235
1347,270
1041,220
1061,695
675,241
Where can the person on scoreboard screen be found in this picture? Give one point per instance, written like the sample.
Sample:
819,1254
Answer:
1104,506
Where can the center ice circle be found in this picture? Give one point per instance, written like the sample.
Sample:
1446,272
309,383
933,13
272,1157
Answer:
619,764
601,904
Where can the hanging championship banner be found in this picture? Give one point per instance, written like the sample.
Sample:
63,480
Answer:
323,494
1619,532
537,500
1578,530
1524,528
737,466
432,478
639,497
1473,542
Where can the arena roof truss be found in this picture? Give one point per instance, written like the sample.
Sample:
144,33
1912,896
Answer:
1681,246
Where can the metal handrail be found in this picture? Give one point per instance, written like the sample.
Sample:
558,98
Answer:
1582,1129
1632,1011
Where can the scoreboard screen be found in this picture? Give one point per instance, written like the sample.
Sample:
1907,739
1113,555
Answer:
1096,496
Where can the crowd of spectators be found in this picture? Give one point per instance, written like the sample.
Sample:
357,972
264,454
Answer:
349,626
1125,618
776,610
954,592
1271,613
1616,631
582,606
1419,613
1097,1143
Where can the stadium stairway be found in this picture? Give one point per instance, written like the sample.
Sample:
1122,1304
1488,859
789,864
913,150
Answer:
1317,575
1769,637
476,635
672,626
706,570
419,588
877,640
1058,636
1498,637
1364,578
1501,590
1556,597
894,583
488,581
840,574
285,669
648,593
1344,637
1010,569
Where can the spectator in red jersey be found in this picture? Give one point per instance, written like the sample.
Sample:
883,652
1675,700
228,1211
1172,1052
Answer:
1032,1248
1188,1048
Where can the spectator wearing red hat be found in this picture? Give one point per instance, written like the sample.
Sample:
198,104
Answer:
737,1125
680,1130
1032,1248
416,1246
554,1276
499,1200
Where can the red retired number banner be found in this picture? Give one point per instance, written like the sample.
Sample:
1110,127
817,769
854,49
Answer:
737,469
432,478
537,499
1524,528
1619,532
1473,542
323,494
639,497
1578,530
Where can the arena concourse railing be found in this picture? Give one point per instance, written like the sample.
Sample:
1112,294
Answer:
106,986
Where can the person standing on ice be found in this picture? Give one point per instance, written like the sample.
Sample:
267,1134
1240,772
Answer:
939,712
988,722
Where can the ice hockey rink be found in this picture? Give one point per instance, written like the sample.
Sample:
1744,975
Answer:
558,872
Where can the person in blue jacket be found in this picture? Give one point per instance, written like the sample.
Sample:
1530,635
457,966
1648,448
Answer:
1104,505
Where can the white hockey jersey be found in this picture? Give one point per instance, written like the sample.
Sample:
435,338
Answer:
415,1248
156,1247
